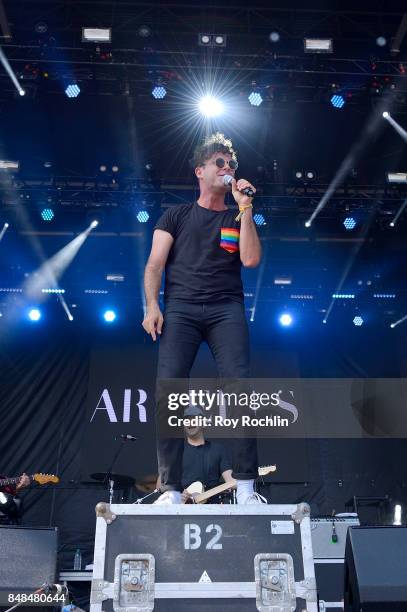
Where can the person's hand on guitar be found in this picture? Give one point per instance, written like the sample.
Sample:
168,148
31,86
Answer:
23,482
186,498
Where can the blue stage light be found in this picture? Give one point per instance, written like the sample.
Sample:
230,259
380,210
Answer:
259,219
34,314
143,216
109,316
286,319
47,214
255,98
337,101
358,321
159,92
350,223
72,90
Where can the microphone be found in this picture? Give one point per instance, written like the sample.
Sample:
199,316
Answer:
127,437
227,181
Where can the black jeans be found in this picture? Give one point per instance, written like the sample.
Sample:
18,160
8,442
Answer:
223,326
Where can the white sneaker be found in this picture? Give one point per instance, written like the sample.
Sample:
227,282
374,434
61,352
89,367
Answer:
169,497
252,498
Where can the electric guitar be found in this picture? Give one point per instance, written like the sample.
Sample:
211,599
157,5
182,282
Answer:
200,496
40,478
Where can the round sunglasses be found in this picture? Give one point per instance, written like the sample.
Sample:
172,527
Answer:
220,162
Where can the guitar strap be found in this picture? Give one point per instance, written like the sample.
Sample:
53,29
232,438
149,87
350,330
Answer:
205,465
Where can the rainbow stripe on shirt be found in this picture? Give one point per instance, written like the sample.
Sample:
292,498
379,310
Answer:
229,239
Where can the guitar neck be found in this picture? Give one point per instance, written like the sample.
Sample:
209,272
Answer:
226,486
11,481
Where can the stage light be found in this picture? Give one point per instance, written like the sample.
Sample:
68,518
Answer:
358,321
9,165
210,106
21,92
310,175
318,45
381,41
282,280
220,40
308,223
392,224
144,31
255,98
397,177
47,214
337,101
94,224
6,225
204,39
397,515
286,319
72,90
102,168
143,216
343,296
384,296
349,223
96,35
259,219
50,290
109,316
386,114
274,37
159,92
34,314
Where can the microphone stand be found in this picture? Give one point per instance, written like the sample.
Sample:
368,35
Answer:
109,472
141,499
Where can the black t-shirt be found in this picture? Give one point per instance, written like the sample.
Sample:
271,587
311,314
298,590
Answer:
205,463
204,261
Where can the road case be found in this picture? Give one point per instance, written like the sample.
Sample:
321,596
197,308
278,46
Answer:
208,557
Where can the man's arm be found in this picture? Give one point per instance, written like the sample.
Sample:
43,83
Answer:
249,243
227,475
153,319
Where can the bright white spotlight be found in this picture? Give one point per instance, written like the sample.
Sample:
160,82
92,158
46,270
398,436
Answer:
308,224
6,225
392,224
397,515
21,92
386,115
210,106
94,224
286,319
109,316
34,314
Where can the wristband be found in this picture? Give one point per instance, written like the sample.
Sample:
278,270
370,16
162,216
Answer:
241,211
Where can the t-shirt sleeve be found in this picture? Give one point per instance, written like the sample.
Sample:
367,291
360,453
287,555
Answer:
167,222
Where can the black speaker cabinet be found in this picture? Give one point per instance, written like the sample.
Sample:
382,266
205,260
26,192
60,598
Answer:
376,569
28,558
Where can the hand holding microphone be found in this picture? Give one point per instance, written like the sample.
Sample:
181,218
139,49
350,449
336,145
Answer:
242,192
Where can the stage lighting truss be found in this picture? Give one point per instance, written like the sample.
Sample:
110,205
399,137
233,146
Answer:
318,45
159,92
72,90
337,101
357,321
100,35
211,40
255,98
349,223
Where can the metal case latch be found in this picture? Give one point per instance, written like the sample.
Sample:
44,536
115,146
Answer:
275,582
134,583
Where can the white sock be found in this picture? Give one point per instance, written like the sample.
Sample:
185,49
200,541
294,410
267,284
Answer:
244,488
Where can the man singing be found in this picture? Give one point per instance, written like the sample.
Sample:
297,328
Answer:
202,247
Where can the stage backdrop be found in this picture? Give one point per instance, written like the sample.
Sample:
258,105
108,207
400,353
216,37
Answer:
65,398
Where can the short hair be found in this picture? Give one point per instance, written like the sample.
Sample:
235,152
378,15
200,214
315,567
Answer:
216,143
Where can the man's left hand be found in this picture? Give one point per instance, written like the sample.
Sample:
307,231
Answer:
241,199
23,482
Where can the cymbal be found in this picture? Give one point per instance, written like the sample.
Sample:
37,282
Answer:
119,479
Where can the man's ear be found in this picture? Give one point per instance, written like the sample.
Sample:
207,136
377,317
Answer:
198,171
